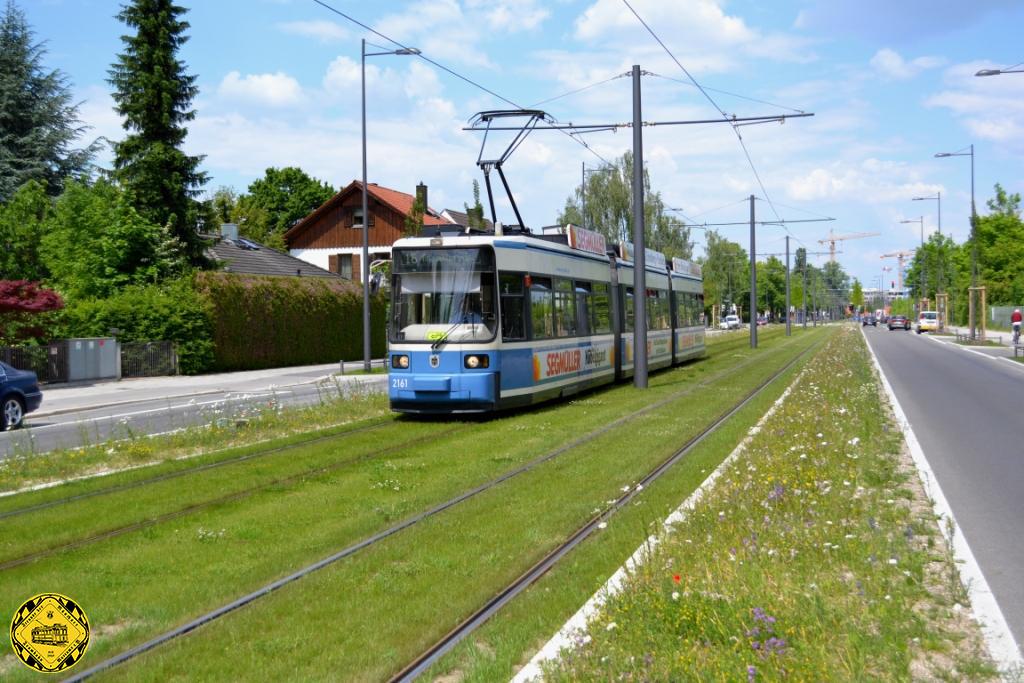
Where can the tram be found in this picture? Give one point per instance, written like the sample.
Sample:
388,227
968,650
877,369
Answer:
484,322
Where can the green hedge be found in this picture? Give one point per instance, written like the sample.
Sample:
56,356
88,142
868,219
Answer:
264,322
172,311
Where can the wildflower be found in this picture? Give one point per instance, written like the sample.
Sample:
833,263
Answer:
675,595
893,561
751,673
602,525
611,627
677,578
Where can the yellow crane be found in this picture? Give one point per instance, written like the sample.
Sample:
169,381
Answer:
832,238
899,256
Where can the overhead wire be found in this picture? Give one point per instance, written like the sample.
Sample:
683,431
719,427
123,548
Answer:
577,90
726,92
446,69
710,99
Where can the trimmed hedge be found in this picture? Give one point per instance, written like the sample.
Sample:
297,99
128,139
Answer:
265,322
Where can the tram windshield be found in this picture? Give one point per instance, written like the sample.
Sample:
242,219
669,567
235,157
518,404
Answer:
443,295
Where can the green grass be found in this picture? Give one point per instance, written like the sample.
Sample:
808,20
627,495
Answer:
133,591
806,561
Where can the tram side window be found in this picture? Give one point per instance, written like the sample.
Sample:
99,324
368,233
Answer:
628,299
657,309
682,308
601,308
584,304
565,309
513,321
542,309
700,309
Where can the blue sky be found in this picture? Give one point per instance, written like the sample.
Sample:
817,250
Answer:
890,84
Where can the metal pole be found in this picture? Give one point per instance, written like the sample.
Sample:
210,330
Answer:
639,257
788,333
974,253
583,193
939,195
364,266
753,280
805,290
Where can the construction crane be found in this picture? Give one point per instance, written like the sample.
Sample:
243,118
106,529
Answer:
899,256
832,238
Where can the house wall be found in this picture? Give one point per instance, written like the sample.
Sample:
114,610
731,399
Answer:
333,228
322,257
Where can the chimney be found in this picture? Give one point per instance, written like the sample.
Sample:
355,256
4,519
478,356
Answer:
229,231
421,194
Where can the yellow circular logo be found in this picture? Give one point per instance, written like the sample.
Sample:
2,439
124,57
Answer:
50,632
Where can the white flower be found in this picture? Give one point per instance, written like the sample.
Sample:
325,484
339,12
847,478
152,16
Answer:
675,595
893,561
854,441
888,597
602,525
611,627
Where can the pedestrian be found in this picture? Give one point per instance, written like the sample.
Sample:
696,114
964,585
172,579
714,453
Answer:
1015,321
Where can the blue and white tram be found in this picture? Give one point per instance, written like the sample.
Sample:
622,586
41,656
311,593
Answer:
488,322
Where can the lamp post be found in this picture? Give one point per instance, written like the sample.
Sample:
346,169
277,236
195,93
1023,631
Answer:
920,221
996,72
937,198
974,242
365,263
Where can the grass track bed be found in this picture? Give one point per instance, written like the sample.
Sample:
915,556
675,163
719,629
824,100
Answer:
237,546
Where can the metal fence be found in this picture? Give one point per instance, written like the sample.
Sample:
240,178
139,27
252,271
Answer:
999,316
49,362
148,359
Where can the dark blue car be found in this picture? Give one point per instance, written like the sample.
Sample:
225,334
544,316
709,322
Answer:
19,395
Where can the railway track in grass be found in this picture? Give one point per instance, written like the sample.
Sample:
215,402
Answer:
228,608
433,654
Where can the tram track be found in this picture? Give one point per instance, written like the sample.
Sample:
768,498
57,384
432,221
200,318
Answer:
411,521
227,498
433,654
205,467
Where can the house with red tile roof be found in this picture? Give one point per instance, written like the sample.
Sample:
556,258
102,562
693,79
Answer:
332,236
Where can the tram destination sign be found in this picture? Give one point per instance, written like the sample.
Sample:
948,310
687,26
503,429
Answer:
652,259
683,266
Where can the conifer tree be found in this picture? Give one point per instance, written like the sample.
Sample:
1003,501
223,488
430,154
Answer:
38,121
154,94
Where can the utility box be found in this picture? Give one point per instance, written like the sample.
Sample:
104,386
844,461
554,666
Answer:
97,358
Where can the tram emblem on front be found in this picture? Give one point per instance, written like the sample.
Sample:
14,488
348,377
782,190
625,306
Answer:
435,360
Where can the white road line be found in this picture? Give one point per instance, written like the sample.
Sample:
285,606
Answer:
1019,366
998,637
577,623
135,413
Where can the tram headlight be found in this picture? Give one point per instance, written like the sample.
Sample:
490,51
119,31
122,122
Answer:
398,361
474,362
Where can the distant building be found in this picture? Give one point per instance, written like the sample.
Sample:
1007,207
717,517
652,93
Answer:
331,238
462,218
243,256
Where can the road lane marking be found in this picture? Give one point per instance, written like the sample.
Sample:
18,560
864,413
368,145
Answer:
994,628
1019,366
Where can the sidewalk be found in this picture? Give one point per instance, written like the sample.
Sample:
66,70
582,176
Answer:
995,336
65,398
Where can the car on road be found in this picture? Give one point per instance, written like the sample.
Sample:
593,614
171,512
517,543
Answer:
730,322
899,322
869,320
927,321
19,395
762,321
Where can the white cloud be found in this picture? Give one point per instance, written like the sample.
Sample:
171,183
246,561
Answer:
322,30
275,90
873,181
510,15
889,64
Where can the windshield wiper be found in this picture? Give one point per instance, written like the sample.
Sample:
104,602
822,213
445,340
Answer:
444,338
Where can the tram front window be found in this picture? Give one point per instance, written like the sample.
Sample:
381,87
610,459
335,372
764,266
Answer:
443,295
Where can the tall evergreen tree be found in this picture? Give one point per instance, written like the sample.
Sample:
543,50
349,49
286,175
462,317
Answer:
153,92
38,121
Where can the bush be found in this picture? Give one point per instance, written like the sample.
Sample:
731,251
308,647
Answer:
263,322
172,311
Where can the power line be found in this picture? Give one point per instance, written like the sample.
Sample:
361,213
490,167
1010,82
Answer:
726,92
445,68
578,90
709,99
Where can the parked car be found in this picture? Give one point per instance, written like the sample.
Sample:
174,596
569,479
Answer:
927,321
762,321
899,322
730,322
19,395
869,320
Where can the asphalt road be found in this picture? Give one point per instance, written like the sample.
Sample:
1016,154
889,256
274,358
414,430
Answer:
967,411
161,408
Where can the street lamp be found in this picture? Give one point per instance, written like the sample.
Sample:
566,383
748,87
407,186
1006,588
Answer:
365,264
937,198
920,221
996,72
974,242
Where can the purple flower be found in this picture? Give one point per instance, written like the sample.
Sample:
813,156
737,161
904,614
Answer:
777,492
751,673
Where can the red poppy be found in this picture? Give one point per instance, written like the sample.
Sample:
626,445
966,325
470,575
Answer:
677,578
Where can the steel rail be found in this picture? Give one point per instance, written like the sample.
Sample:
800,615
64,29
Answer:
478,618
269,588
226,498
185,471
